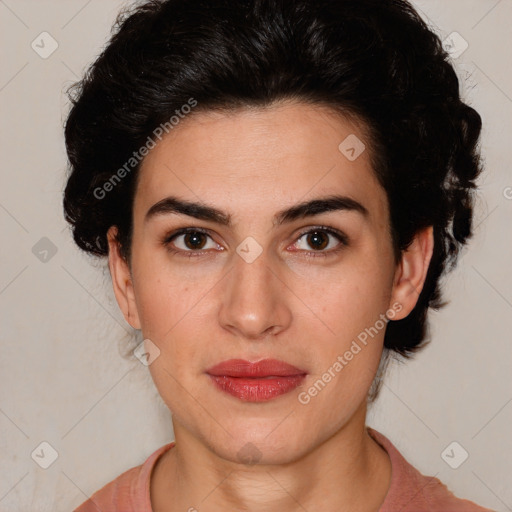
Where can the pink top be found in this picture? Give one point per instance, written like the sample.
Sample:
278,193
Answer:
409,491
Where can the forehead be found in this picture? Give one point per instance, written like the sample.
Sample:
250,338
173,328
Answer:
261,158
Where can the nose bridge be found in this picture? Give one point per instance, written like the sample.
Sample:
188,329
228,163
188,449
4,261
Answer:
254,299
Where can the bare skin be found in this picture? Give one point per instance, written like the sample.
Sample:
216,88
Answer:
289,303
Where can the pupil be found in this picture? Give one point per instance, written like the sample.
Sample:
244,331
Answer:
313,239
196,243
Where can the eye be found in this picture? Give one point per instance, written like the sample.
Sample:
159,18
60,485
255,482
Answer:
191,240
320,239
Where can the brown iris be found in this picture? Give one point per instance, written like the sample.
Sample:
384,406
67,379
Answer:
197,240
314,239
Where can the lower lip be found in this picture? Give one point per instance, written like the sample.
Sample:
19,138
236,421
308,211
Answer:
257,390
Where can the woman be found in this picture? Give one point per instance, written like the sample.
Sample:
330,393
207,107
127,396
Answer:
278,187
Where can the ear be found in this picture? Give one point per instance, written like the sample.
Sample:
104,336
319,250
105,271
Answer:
411,272
122,280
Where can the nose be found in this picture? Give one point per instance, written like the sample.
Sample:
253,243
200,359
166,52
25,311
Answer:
255,300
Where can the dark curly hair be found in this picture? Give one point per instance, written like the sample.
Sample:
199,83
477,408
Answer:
375,60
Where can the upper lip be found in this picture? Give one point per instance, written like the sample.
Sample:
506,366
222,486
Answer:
263,368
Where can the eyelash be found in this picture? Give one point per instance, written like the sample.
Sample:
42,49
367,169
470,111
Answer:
341,237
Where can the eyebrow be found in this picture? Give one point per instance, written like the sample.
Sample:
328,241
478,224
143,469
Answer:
174,205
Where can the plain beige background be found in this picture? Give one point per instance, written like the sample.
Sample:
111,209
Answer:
63,378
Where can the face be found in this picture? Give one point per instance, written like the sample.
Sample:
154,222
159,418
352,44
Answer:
310,287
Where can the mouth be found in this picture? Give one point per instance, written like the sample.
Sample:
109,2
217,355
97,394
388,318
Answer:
256,382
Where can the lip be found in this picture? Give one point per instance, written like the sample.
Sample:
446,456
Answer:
256,382
263,368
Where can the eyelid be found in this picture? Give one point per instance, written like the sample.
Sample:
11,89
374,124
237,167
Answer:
168,238
182,231
342,237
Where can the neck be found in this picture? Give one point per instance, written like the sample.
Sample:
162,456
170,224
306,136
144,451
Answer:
347,472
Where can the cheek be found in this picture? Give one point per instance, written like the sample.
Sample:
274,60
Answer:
350,302
345,298
171,300
166,293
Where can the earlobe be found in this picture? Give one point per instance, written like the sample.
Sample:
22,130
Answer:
122,280
412,271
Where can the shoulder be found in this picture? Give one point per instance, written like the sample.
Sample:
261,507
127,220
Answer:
410,491
129,492
117,493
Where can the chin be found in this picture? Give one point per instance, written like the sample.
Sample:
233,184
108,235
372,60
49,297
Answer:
262,444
